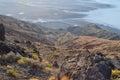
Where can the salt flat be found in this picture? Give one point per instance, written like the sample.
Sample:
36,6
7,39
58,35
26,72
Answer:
65,12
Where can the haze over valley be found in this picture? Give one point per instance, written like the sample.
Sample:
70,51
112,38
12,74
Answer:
55,12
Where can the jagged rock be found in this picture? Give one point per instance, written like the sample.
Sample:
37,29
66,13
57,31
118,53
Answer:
29,43
55,64
86,66
116,62
5,48
17,49
100,71
16,41
2,32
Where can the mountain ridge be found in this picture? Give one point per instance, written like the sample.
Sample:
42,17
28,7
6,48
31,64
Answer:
95,31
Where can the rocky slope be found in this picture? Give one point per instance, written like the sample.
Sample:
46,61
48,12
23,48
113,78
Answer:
2,32
86,66
93,30
93,44
37,53
20,30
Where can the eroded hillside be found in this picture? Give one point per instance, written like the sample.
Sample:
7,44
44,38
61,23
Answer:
31,52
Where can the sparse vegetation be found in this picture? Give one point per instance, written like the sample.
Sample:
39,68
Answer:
22,61
52,78
115,73
36,60
64,78
50,65
33,79
35,56
47,64
13,73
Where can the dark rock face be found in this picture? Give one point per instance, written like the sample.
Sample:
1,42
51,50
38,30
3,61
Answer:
2,32
100,71
116,62
86,66
55,64
5,48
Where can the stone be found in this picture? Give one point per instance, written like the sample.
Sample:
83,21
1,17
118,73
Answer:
86,66
2,32
5,49
55,64
100,71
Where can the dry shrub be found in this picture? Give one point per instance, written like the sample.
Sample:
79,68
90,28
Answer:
52,78
64,78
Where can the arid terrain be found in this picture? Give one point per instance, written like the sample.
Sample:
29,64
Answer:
32,52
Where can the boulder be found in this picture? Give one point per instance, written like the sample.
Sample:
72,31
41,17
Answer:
100,71
5,48
116,62
55,64
86,66
2,32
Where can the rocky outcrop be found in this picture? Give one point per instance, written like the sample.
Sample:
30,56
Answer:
116,62
2,32
5,48
86,66
100,71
